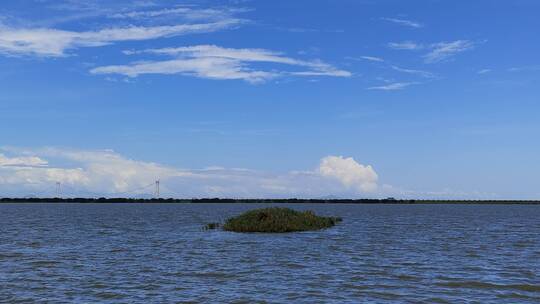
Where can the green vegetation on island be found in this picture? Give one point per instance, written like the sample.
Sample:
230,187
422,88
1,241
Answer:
211,226
278,220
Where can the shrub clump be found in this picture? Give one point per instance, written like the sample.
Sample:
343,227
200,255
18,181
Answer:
278,220
211,226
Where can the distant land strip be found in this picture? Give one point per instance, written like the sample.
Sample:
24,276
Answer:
263,201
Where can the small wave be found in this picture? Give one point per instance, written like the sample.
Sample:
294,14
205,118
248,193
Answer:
114,250
484,285
294,266
34,245
98,286
353,286
107,295
47,264
149,287
514,295
10,255
211,274
437,300
523,244
384,295
406,277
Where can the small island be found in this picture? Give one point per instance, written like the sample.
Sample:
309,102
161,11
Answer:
278,220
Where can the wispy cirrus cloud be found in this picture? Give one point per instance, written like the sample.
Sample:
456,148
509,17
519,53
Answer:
437,52
145,20
404,22
54,43
214,62
484,71
56,12
393,86
187,12
444,50
525,68
406,45
421,73
367,58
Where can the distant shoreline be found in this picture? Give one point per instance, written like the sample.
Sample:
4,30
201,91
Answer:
264,201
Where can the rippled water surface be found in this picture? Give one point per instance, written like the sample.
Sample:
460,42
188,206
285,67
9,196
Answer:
150,253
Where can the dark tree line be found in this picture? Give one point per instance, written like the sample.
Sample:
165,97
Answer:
255,201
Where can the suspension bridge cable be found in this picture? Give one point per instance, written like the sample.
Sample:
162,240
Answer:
67,190
172,191
133,190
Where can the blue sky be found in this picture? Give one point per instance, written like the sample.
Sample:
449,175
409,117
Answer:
416,99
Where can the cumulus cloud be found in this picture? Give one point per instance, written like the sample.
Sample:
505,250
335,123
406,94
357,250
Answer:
48,42
214,62
107,173
404,22
30,161
99,171
349,173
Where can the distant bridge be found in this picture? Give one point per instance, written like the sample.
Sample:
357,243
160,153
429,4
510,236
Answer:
61,190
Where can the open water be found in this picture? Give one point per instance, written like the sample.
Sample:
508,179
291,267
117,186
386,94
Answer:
158,253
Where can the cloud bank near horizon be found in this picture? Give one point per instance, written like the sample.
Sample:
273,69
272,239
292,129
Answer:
30,172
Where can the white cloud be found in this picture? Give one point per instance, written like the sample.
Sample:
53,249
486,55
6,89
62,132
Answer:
372,58
404,22
98,171
349,173
54,12
29,161
82,173
405,45
211,68
188,12
106,173
525,68
424,74
437,51
398,192
484,71
365,58
93,5
47,42
444,50
214,62
393,86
